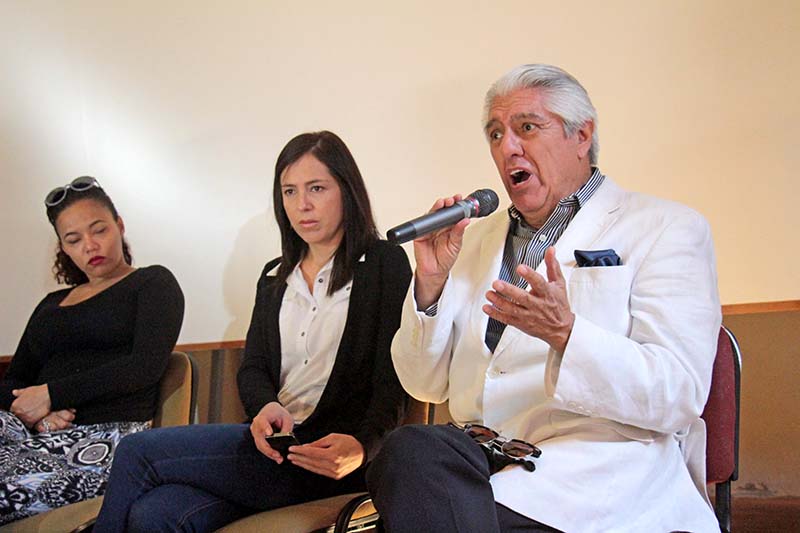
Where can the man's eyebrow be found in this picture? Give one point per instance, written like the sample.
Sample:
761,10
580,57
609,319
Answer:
528,116
517,118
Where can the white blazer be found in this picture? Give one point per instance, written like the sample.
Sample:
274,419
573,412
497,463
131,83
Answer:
617,414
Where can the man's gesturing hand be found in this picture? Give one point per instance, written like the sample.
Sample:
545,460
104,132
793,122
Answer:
542,311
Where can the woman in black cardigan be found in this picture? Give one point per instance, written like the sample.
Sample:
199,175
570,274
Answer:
316,363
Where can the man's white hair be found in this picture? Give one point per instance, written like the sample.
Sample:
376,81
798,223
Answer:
564,96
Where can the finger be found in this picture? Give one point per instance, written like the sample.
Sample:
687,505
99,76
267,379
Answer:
499,302
16,392
266,449
452,200
287,423
261,426
58,423
457,233
264,429
510,292
438,204
536,283
309,451
499,315
65,422
311,466
553,268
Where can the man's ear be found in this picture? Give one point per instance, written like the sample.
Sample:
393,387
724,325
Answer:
584,138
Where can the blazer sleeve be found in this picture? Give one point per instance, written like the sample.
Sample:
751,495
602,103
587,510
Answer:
258,382
389,400
159,316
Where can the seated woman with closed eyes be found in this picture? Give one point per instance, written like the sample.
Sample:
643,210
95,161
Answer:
86,371
316,362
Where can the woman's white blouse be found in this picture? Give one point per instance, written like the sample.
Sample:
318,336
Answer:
311,326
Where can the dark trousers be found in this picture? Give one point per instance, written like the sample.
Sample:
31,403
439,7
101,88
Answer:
201,477
436,478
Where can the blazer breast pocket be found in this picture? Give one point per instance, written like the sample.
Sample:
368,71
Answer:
602,295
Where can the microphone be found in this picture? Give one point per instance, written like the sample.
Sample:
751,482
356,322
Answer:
478,204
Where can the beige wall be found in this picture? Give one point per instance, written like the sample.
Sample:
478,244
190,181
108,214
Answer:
181,107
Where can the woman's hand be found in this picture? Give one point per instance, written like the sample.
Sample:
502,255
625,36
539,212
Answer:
272,418
31,404
332,456
435,255
55,421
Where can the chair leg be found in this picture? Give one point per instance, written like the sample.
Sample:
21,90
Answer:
722,506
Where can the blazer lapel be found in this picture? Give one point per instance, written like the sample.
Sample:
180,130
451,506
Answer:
488,267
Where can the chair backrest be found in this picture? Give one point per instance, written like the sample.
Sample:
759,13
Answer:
176,405
417,413
721,413
176,402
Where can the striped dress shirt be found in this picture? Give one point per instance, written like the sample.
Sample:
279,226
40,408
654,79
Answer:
526,245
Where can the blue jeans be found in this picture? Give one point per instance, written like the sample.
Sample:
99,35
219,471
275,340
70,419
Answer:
201,477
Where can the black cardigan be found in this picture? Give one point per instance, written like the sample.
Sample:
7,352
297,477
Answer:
363,396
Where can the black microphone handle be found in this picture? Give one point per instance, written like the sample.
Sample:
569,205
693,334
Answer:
430,222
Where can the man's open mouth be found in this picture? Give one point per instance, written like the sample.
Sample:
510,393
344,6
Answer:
519,176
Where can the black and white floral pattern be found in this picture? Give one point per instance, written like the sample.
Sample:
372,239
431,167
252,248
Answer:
42,471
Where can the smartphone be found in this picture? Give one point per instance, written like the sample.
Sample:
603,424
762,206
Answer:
280,442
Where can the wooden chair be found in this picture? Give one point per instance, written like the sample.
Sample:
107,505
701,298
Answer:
721,415
336,513
177,399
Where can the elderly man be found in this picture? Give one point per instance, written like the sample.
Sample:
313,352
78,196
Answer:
583,321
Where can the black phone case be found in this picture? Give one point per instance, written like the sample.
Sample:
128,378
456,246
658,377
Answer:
280,442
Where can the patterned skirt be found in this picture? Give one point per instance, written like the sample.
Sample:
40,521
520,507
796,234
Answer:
42,471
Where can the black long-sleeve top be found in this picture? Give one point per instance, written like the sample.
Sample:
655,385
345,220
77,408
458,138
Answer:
363,396
105,355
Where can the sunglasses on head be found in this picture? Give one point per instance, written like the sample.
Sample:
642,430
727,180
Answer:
57,195
514,449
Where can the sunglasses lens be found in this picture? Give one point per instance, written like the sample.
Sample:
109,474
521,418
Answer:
481,434
55,196
83,183
518,449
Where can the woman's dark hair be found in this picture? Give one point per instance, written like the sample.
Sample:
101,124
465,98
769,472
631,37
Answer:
64,269
359,225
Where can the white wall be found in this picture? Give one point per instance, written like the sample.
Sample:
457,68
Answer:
180,108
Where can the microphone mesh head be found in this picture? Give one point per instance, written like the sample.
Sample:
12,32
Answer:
487,201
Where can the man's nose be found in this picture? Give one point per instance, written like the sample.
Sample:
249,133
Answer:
511,145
